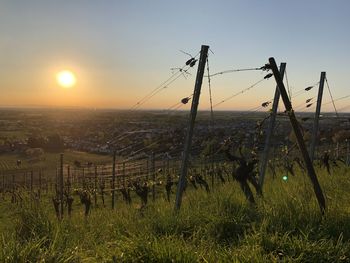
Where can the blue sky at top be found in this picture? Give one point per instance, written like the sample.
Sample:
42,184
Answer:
120,50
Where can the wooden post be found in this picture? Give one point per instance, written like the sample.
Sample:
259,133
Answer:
188,141
147,170
56,182
69,181
296,128
337,151
13,183
153,173
74,175
40,184
95,185
31,181
113,178
83,178
168,165
25,185
317,116
46,183
124,182
212,171
3,186
269,133
61,185
347,152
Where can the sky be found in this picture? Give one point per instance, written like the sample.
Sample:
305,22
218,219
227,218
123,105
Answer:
121,50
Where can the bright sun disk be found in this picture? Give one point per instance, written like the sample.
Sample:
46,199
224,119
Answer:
66,79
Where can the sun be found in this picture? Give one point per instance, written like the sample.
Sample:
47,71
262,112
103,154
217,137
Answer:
66,79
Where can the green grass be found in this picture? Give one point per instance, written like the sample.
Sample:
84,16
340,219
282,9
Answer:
284,226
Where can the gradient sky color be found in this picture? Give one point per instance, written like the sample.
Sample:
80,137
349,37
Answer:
121,50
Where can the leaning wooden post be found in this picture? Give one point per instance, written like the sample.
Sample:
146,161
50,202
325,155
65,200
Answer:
317,116
269,133
188,141
113,179
296,128
61,185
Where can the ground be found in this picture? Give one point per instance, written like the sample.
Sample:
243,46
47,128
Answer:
284,226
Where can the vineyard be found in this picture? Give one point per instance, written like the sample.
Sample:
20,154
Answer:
8,162
174,131
164,191
110,179
217,227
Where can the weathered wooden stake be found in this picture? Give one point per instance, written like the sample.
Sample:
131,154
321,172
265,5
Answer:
347,152
31,181
212,170
61,185
317,116
188,141
147,169
3,185
269,133
13,183
56,183
95,185
337,151
299,136
123,171
113,179
84,183
25,180
168,165
40,185
69,181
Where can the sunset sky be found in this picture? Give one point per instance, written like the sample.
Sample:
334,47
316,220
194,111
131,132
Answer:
121,50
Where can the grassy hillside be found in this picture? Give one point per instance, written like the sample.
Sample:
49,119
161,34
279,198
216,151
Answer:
284,226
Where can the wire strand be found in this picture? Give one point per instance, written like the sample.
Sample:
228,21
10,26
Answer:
288,88
238,93
233,70
210,95
330,94
163,85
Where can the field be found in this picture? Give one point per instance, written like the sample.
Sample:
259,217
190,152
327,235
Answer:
49,160
284,226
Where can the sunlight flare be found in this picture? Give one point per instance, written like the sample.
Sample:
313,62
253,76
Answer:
66,79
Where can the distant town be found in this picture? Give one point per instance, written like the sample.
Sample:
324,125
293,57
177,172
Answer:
32,132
